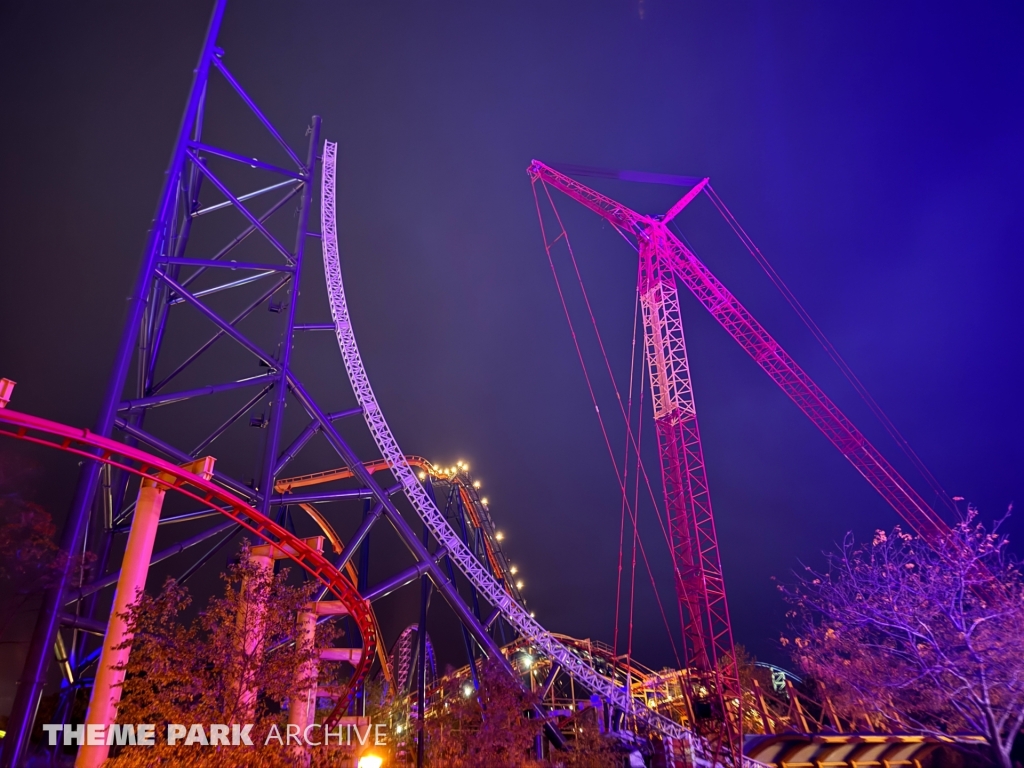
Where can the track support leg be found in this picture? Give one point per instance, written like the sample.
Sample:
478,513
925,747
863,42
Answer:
302,702
106,691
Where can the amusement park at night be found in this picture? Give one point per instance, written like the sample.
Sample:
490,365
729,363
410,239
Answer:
351,363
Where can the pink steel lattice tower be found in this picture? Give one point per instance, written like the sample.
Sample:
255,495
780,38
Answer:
707,631
704,613
664,259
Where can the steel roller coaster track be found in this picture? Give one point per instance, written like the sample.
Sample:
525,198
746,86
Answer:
472,503
515,614
200,179
84,443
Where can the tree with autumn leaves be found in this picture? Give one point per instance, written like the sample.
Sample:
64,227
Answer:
467,727
928,635
211,668
494,726
189,671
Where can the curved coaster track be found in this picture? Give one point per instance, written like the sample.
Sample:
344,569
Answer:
84,443
514,613
176,278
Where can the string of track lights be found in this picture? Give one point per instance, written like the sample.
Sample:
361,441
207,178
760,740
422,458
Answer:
452,473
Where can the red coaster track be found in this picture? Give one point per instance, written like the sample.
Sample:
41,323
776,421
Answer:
84,443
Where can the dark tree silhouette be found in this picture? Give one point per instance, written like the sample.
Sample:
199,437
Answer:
30,560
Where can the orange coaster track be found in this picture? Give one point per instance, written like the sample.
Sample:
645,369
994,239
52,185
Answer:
344,473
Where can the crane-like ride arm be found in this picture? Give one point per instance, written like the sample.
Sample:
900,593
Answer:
765,351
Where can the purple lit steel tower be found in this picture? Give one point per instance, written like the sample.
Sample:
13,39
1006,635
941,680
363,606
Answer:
34,674
196,270
201,283
164,281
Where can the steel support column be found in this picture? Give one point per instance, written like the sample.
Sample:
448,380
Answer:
33,677
281,386
106,690
421,665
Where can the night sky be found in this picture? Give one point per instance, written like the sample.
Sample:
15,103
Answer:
872,150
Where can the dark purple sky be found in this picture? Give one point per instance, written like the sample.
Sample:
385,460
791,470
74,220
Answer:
873,151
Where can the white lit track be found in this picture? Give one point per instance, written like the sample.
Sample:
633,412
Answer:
477,574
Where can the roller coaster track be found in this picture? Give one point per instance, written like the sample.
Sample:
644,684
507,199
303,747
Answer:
471,502
84,443
517,616
402,655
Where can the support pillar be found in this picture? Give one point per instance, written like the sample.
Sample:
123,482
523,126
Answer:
362,584
421,679
302,702
762,707
106,690
303,698
829,707
796,712
251,625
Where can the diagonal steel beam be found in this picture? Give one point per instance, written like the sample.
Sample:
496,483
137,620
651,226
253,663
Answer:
222,68
244,234
222,188
209,342
156,401
250,161
306,435
217,320
246,407
243,198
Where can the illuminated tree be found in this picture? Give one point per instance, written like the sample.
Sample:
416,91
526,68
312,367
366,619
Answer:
935,634
488,727
188,671
589,747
